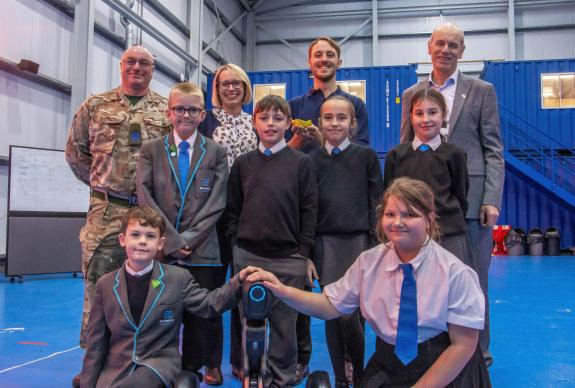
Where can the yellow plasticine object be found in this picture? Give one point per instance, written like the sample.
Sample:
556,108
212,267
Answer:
301,123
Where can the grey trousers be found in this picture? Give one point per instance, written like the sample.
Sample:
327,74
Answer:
282,349
482,245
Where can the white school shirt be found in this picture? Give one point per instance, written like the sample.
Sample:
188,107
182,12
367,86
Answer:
280,145
448,291
342,146
433,143
148,268
448,92
191,140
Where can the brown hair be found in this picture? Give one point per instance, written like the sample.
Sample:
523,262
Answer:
187,88
145,216
429,95
242,76
349,105
272,102
417,196
329,41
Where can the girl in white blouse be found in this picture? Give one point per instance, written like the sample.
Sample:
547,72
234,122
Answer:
447,308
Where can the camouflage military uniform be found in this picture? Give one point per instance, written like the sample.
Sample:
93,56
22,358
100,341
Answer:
99,153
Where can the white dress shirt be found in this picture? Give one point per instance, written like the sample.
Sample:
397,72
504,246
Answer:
448,92
448,291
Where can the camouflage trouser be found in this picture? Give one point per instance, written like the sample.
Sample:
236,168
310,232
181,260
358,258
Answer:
101,251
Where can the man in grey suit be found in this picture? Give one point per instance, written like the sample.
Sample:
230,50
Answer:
473,125
184,176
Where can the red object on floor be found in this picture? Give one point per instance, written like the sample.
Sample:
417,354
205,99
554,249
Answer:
499,233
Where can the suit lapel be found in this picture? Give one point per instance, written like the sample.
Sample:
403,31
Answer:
197,158
155,291
121,293
173,160
461,94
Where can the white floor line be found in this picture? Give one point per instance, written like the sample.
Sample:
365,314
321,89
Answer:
40,359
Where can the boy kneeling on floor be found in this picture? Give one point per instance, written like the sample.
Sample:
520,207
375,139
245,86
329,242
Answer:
137,311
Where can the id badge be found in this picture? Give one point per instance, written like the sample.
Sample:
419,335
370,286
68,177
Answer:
135,135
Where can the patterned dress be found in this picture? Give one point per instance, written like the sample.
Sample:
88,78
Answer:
234,132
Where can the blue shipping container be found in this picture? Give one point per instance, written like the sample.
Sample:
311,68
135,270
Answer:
518,88
384,86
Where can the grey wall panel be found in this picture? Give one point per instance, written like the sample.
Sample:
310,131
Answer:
548,44
31,115
31,29
33,251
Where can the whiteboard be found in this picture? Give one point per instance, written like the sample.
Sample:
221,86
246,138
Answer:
41,181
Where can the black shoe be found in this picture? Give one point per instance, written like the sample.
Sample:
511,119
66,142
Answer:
301,372
76,381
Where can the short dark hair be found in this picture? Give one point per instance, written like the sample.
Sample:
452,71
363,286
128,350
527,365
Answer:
272,102
329,41
145,216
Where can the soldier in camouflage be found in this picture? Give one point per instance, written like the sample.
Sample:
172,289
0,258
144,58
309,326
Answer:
102,150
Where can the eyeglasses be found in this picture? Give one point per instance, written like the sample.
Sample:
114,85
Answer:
144,63
236,84
180,111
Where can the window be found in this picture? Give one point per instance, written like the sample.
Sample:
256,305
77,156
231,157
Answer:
355,88
558,90
260,91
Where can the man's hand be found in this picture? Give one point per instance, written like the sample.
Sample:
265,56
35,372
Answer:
488,215
305,135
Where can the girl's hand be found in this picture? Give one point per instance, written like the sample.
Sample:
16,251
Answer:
269,280
311,273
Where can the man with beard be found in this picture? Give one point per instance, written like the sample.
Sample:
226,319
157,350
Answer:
102,150
324,60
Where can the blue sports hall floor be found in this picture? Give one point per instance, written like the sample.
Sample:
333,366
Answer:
532,306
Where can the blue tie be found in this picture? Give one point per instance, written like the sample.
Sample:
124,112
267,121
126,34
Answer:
184,162
423,148
335,151
268,152
406,342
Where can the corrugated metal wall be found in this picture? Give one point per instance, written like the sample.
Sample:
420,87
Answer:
384,86
518,88
527,205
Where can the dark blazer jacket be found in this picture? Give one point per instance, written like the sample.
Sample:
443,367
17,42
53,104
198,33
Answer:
116,344
474,127
191,212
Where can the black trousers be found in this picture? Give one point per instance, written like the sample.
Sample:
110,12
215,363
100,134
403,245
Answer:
202,339
143,377
303,331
